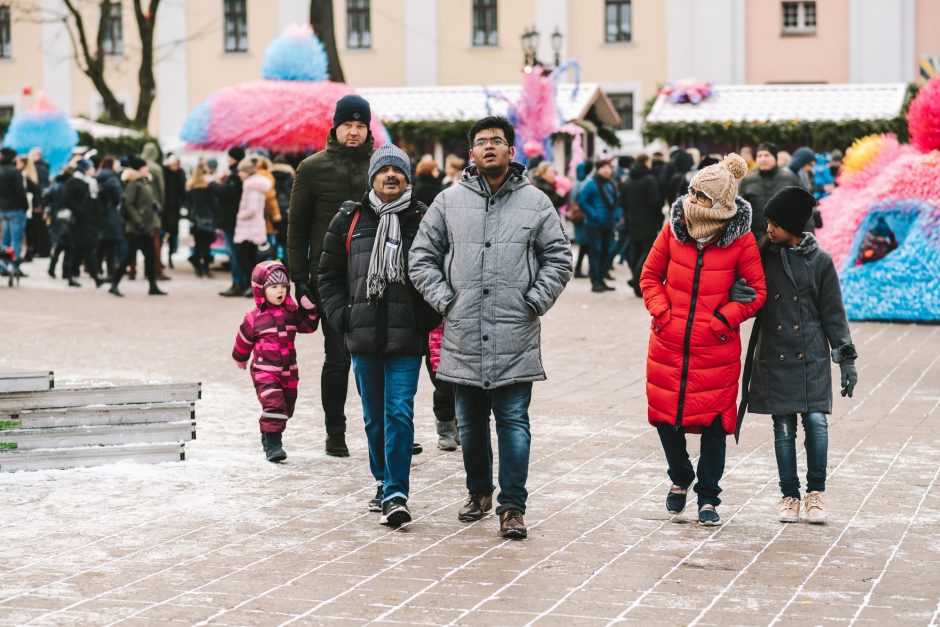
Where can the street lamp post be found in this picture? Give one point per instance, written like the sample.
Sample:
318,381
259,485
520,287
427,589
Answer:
530,47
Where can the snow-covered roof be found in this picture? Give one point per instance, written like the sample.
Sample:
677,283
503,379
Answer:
98,129
778,103
468,102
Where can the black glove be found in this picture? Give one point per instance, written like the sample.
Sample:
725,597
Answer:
304,297
849,377
741,293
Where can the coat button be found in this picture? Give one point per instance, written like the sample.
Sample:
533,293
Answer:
486,291
486,338
796,327
487,244
781,357
486,384
794,298
780,327
776,296
800,356
492,201
722,337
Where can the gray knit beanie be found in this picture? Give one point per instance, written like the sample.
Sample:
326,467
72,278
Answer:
389,154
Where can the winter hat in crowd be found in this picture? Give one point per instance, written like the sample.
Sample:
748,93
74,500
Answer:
800,158
767,147
236,152
791,208
135,163
720,183
7,155
83,165
248,165
277,276
389,154
352,108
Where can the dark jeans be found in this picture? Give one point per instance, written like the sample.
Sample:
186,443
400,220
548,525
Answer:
443,394
237,277
83,252
711,461
202,256
599,254
387,385
246,253
816,440
143,243
110,255
334,379
639,251
510,407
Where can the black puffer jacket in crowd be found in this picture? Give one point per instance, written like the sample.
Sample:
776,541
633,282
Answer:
228,196
397,323
12,188
644,204
323,183
86,211
110,195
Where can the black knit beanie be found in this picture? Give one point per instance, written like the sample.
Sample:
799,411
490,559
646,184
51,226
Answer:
791,208
352,108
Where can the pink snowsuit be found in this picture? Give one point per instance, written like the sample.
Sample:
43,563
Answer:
269,331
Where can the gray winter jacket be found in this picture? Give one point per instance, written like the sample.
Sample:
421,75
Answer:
492,265
802,319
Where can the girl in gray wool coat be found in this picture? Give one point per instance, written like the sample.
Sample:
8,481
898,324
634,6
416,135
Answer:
801,326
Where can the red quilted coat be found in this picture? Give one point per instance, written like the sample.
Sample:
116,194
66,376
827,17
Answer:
694,359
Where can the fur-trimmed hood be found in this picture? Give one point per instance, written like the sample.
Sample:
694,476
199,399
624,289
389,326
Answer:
736,227
284,168
128,174
807,246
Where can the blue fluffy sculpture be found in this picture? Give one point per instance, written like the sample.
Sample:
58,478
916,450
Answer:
43,125
295,55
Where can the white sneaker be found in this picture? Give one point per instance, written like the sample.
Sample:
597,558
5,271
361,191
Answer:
789,509
815,508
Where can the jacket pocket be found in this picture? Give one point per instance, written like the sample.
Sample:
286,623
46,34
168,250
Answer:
720,328
659,323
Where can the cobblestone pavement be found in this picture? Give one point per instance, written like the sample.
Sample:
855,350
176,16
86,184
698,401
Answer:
229,539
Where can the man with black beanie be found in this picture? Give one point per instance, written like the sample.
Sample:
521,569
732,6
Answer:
760,185
323,182
227,190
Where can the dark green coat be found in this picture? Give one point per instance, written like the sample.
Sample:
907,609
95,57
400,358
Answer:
802,327
323,183
138,214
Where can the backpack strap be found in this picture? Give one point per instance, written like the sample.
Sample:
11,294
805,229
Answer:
351,208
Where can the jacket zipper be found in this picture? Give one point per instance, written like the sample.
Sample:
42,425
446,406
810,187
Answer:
686,343
528,266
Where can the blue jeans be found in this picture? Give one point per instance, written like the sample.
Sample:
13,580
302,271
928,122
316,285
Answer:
510,407
387,385
711,461
14,227
238,277
599,252
816,440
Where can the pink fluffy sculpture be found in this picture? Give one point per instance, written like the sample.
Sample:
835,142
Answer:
923,117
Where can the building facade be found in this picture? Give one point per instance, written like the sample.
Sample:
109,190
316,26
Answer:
629,47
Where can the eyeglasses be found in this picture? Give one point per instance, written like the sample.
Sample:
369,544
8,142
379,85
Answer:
701,196
494,141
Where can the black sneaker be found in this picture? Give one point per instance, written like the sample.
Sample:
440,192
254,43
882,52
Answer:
395,512
416,449
708,516
375,505
675,500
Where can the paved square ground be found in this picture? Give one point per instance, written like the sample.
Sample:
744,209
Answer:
229,539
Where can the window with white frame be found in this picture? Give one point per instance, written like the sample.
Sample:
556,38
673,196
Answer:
358,26
618,21
112,41
799,18
5,49
485,31
236,26
623,103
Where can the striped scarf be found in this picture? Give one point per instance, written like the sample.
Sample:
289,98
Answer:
386,264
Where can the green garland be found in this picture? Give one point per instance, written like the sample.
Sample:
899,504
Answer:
119,146
418,136
822,135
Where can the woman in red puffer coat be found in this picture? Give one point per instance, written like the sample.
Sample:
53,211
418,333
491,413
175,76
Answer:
694,358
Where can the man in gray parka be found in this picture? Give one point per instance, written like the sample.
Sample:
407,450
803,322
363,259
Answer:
491,256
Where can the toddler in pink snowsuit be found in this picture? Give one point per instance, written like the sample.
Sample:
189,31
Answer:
269,331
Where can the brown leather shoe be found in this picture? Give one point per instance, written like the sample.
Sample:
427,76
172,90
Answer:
511,525
476,507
